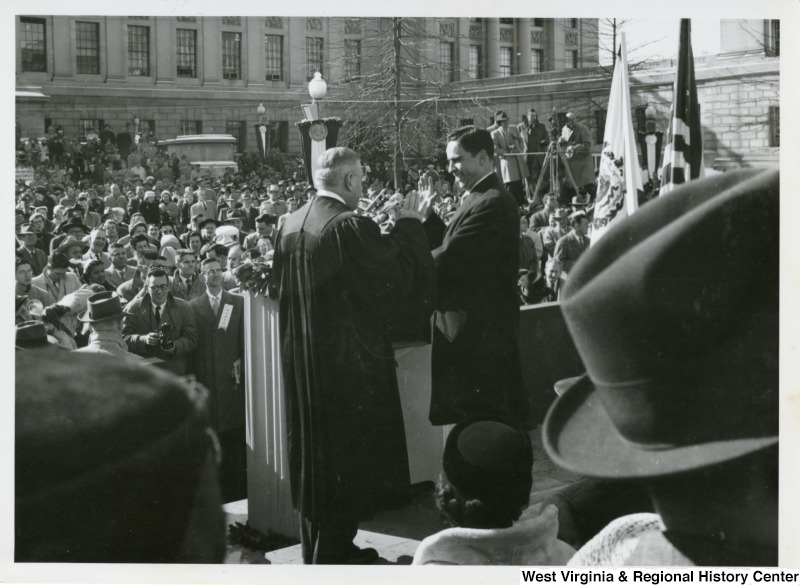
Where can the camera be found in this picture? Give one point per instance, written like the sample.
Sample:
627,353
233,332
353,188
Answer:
165,341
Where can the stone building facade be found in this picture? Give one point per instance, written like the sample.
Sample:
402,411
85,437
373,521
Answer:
183,75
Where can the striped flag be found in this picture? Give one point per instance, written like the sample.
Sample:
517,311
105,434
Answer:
683,155
620,177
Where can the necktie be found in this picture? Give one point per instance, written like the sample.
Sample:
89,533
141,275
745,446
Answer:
214,304
158,315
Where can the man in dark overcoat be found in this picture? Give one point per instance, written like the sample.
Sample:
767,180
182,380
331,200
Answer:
340,280
475,356
217,364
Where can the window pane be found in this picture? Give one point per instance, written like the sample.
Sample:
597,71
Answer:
571,59
139,50
231,55
506,21
475,64
313,55
775,37
536,60
506,61
32,44
279,135
446,62
87,47
538,22
273,57
191,127
89,126
352,58
187,52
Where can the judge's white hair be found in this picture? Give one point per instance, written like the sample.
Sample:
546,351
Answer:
332,163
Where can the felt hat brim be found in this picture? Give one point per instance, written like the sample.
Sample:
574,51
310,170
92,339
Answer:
579,436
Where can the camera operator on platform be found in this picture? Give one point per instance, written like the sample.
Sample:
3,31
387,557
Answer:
577,140
157,324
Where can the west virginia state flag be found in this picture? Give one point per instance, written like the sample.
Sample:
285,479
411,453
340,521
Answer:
620,177
683,155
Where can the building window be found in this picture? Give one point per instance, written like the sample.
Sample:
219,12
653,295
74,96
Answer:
773,38
352,58
600,125
446,62
139,51
313,55
571,59
239,131
279,135
147,128
506,21
273,57
33,45
89,126
506,61
538,22
191,127
774,125
573,23
231,55
87,47
475,62
536,60
187,52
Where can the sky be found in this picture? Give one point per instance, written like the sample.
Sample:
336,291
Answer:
658,38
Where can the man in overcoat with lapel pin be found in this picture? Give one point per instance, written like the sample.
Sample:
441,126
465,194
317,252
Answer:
217,361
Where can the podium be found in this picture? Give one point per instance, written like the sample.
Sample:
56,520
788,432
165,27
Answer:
269,495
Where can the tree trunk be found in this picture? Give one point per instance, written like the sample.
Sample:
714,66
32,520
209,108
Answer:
398,114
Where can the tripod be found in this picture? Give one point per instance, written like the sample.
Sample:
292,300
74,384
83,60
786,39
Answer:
551,157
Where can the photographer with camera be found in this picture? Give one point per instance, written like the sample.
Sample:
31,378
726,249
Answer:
157,324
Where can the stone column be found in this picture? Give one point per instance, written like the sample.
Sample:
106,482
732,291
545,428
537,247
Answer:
116,53
64,61
164,48
211,45
493,47
254,48
524,44
462,49
295,47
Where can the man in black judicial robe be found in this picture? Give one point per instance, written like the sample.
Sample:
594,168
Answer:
340,283
475,362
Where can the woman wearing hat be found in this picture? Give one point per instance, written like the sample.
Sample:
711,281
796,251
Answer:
489,468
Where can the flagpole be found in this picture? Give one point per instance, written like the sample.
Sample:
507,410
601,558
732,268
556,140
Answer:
683,154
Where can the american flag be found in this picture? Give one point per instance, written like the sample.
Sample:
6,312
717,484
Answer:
683,155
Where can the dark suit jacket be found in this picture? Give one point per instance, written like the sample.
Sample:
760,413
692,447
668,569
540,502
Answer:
178,287
568,250
139,321
113,278
475,356
213,357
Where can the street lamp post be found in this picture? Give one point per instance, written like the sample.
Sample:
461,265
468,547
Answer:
262,132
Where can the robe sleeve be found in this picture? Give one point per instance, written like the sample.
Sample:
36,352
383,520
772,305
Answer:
394,272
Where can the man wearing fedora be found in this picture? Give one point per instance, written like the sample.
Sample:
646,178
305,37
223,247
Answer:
104,317
512,168
27,239
676,318
570,247
72,226
273,205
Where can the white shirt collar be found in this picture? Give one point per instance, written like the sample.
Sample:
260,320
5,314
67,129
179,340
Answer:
324,193
211,297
